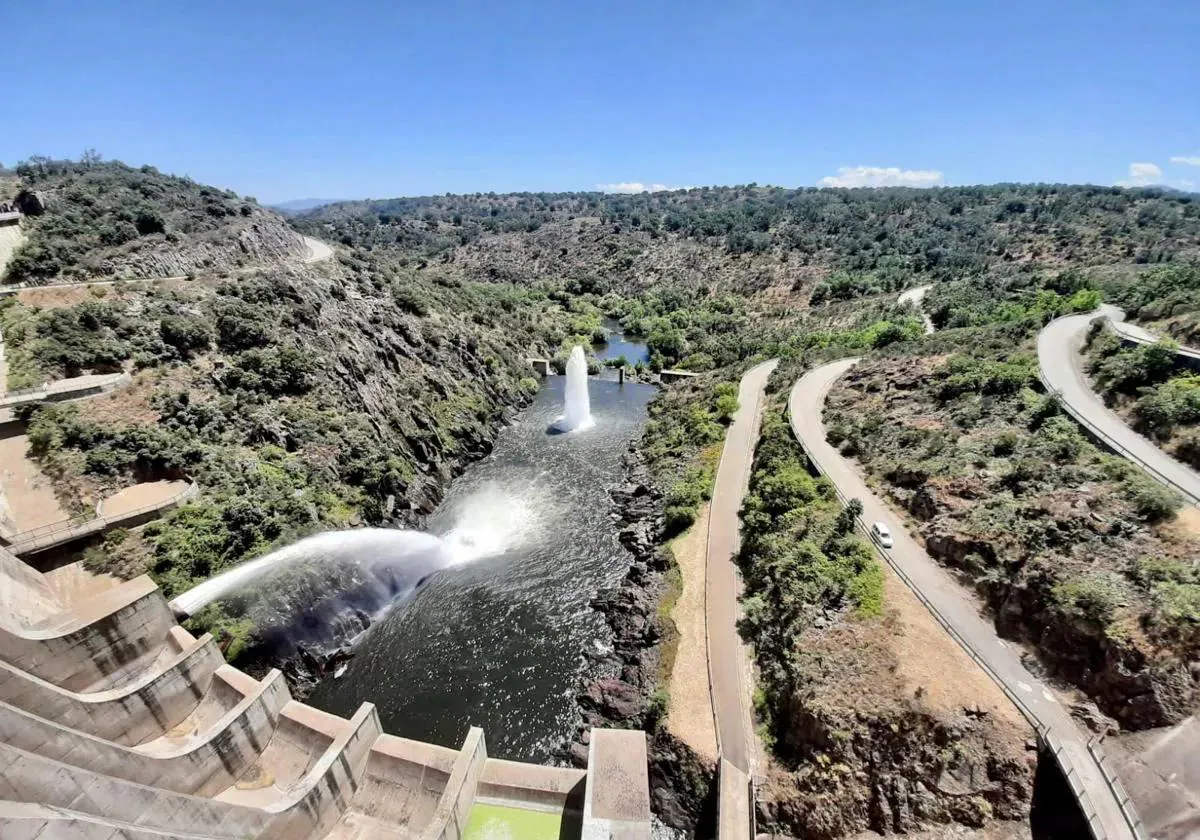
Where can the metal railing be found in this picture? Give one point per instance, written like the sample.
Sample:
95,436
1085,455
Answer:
98,522
1044,732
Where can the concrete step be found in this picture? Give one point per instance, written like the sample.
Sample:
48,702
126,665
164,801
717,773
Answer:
309,807
137,712
102,643
202,762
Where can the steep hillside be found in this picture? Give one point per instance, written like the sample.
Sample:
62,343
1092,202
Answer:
98,220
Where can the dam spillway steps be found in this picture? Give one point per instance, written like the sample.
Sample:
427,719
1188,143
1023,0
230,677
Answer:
117,722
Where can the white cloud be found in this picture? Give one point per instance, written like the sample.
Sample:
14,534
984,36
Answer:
1142,175
634,187
880,176
1186,160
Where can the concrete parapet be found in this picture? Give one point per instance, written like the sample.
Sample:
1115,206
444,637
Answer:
25,597
454,809
404,782
99,644
70,530
128,715
734,804
76,388
203,763
616,805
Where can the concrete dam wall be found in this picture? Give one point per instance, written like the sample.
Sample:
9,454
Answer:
117,722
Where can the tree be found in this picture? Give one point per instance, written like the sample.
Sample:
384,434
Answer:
851,513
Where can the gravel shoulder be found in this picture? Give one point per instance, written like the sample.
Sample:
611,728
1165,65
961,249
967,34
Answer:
690,712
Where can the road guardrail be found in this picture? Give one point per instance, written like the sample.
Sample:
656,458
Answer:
24,541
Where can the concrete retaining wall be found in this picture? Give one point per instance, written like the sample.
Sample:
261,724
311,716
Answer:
203,765
99,644
129,715
25,597
735,806
309,811
60,533
617,801
331,785
532,784
405,781
450,820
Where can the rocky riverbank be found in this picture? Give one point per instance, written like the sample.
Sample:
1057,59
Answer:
621,684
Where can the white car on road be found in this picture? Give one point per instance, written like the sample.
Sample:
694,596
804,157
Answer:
881,535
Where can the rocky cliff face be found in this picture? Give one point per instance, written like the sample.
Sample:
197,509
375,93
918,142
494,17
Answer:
260,240
894,770
95,220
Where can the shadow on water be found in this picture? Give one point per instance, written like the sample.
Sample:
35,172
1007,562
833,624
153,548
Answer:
1055,813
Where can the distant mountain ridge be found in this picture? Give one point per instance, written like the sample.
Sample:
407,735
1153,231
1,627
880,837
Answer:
299,205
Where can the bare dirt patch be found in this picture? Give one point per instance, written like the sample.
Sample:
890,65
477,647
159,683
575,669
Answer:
131,405
935,668
27,498
689,711
1184,527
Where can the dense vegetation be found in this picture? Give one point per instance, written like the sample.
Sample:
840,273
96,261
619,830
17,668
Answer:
800,558
308,398
1152,387
1165,298
880,239
97,207
297,403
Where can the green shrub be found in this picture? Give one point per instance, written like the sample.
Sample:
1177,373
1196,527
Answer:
1151,500
1095,598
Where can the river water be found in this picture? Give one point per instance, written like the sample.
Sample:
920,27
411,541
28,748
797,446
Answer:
498,642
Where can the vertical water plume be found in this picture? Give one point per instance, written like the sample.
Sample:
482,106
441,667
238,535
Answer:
577,410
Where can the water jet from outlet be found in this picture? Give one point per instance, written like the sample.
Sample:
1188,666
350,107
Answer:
577,408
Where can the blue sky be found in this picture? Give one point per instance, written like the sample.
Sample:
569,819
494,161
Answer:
373,98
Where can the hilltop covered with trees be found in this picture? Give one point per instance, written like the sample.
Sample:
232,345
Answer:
96,219
833,244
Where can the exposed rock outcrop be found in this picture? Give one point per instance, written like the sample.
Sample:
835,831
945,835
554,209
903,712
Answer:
262,239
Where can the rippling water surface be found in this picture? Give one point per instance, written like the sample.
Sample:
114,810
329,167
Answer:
497,642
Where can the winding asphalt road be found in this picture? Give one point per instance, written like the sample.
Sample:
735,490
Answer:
722,609
916,297
1060,364
318,251
955,605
